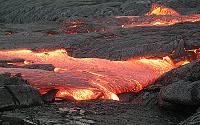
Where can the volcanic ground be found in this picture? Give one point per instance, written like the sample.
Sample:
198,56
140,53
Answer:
131,62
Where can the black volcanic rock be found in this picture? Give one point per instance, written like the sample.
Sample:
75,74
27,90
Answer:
192,120
127,97
19,96
196,92
12,61
37,18
6,99
14,120
181,85
149,96
8,79
15,92
24,95
48,67
188,72
49,96
96,112
48,10
118,44
179,93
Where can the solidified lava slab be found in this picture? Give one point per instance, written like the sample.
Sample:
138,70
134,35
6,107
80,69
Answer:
119,44
34,11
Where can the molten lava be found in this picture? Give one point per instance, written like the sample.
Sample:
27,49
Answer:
159,15
157,9
92,78
87,78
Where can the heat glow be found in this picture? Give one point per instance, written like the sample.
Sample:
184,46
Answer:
158,15
157,9
88,78
92,78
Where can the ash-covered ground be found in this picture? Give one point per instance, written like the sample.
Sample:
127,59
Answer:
173,99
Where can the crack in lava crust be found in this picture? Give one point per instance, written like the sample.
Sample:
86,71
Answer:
87,78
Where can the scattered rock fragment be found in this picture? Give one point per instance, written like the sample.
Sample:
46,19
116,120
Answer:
72,111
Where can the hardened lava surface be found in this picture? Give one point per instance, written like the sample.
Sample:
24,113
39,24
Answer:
128,37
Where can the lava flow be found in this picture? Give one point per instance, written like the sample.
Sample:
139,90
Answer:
87,78
92,78
159,15
157,9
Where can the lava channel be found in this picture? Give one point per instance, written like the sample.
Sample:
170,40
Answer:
87,78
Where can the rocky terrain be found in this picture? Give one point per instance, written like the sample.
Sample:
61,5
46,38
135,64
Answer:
174,98
29,11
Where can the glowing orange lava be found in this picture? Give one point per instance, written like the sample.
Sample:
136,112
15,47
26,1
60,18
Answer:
159,15
157,9
87,78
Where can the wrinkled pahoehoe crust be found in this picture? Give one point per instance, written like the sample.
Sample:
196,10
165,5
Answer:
20,11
